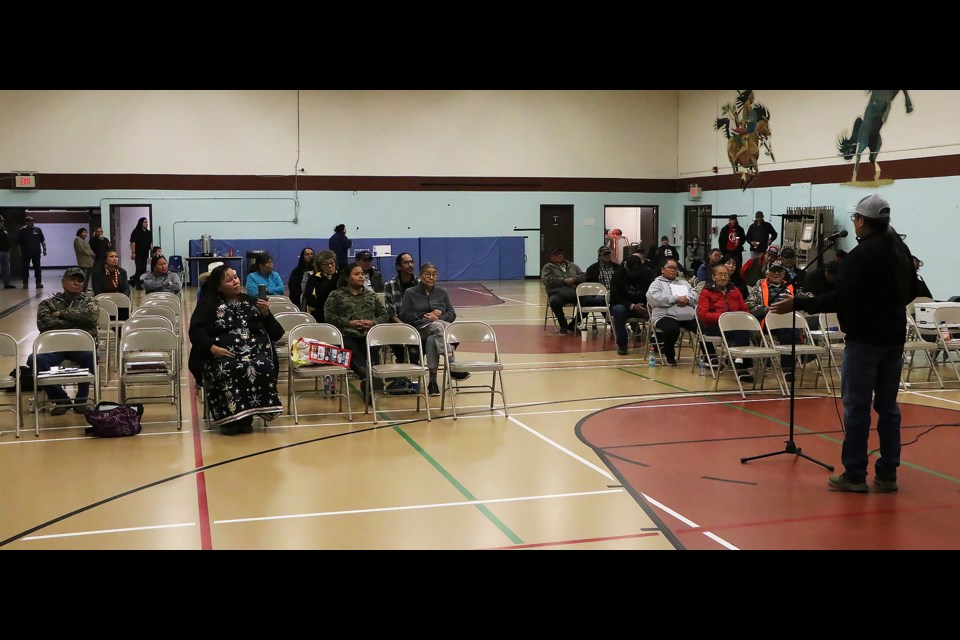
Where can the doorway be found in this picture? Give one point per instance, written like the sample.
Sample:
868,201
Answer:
639,224
698,221
123,220
556,229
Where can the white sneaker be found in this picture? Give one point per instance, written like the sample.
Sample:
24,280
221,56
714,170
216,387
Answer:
738,361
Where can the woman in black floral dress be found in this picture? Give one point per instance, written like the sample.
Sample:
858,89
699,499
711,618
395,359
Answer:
232,354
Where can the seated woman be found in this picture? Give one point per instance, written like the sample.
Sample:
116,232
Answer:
321,282
354,309
160,278
428,308
295,283
264,274
110,277
716,298
672,303
232,355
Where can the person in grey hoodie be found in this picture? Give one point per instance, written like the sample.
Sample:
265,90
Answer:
672,303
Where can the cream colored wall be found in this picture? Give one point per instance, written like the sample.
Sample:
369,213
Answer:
589,134
806,125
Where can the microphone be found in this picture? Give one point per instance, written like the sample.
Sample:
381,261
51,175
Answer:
838,234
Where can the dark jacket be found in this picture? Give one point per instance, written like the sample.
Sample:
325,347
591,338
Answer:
739,237
376,279
629,290
661,253
30,240
339,243
763,234
98,280
4,239
100,246
200,339
317,291
876,282
295,284
142,240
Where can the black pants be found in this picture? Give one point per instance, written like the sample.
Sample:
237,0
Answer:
25,261
141,262
669,329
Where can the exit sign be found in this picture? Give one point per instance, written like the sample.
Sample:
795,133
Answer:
24,181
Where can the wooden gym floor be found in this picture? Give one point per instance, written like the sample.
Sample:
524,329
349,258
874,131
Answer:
599,452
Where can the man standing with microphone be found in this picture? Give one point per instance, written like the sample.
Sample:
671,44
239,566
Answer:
877,280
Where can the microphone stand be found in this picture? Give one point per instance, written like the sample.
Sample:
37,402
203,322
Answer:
791,445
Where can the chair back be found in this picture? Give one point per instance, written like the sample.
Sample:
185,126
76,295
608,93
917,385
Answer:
291,319
278,298
148,339
173,305
279,306
322,331
591,289
213,265
392,333
785,321
147,321
9,347
157,310
121,300
63,340
110,307
739,321
466,331
949,315
175,264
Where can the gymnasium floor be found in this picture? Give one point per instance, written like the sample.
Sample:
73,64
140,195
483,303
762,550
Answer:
599,452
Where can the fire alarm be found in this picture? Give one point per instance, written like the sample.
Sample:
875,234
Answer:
695,192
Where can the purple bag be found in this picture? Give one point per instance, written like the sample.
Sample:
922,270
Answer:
112,420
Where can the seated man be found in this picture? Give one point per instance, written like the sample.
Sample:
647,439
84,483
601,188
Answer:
560,279
372,278
602,270
69,309
756,268
393,299
628,297
793,274
772,289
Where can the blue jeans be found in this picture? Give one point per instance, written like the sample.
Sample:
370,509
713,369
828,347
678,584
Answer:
620,314
53,359
870,372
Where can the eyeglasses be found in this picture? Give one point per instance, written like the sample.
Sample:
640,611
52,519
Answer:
429,275
670,266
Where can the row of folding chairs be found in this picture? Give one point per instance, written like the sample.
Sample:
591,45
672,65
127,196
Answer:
479,335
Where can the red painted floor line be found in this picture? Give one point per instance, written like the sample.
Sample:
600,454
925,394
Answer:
203,509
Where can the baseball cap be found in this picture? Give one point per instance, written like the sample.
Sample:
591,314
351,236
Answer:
604,249
633,263
75,272
363,255
776,264
873,206
788,253
555,249
29,218
775,250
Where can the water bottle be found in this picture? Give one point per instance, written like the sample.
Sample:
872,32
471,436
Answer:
652,358
945,331
327,385
702,365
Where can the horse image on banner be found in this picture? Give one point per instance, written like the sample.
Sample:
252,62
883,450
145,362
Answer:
746,126
866,131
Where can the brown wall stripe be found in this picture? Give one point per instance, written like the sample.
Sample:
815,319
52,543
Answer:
934,166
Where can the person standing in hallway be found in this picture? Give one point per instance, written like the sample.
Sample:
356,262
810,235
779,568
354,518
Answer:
85,255
760,235
100,244
5,255
339,243
32,246
141,240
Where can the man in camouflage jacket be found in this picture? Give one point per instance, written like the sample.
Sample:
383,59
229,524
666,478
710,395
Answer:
70,309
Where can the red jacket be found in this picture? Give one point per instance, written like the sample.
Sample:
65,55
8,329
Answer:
713,303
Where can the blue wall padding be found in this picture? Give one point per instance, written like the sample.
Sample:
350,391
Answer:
456,258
